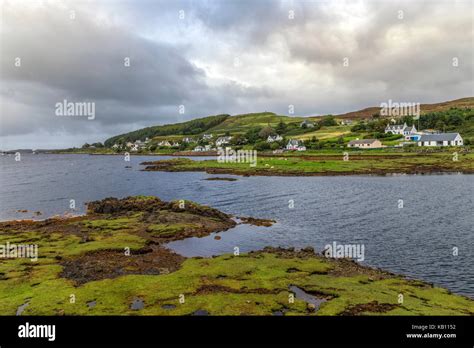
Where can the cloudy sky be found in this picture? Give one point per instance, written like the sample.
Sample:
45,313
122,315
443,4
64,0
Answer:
213,57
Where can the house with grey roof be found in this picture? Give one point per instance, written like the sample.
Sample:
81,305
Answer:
441,139
365,144
292,144
307,124
223,140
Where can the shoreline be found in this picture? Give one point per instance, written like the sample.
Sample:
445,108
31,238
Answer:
214,167
86,252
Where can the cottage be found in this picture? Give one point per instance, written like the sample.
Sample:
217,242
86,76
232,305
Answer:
293,144
402,129
198,149
346,122
223,141
307,124
207,136
188,140
365,144
273,138
115,146
164,143
441,139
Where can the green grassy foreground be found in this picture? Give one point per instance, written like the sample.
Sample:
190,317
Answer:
331,163
83,258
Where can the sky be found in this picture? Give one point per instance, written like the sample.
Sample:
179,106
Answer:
142,63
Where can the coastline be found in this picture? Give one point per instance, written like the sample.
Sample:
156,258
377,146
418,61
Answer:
85,255
302,167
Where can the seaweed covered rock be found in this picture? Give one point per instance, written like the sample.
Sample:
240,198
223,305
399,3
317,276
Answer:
113,205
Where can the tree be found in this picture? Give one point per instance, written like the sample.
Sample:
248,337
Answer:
262,146
238,139
274,146
252,135
328,121
266,132
281,127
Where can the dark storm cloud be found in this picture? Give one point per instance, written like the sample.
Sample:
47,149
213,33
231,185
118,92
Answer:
284,60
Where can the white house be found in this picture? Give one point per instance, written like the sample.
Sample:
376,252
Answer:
273,138
402,129
207,136
115,146
198,149
292,144
223,140
188,140
164,143
409,132
346,122
441,139
307,123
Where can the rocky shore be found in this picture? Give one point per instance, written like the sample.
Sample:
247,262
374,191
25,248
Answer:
113,261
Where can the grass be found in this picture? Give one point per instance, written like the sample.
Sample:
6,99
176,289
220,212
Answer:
225,285
332,163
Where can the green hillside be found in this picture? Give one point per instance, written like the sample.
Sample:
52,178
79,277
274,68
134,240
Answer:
242,123
195,126
328,131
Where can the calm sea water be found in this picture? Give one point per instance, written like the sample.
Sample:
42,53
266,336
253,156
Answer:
416,240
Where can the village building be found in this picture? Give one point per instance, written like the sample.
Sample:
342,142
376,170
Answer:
198,149
346,122
441,139
207,136
307,123
296,145
188,140
365,144
223,140
273,138
164,143
409,132
402,129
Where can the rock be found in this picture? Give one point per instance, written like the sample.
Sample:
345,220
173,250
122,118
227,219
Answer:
311,307
217,237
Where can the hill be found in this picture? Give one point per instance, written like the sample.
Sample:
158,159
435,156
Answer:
241,124
424,108
192,127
